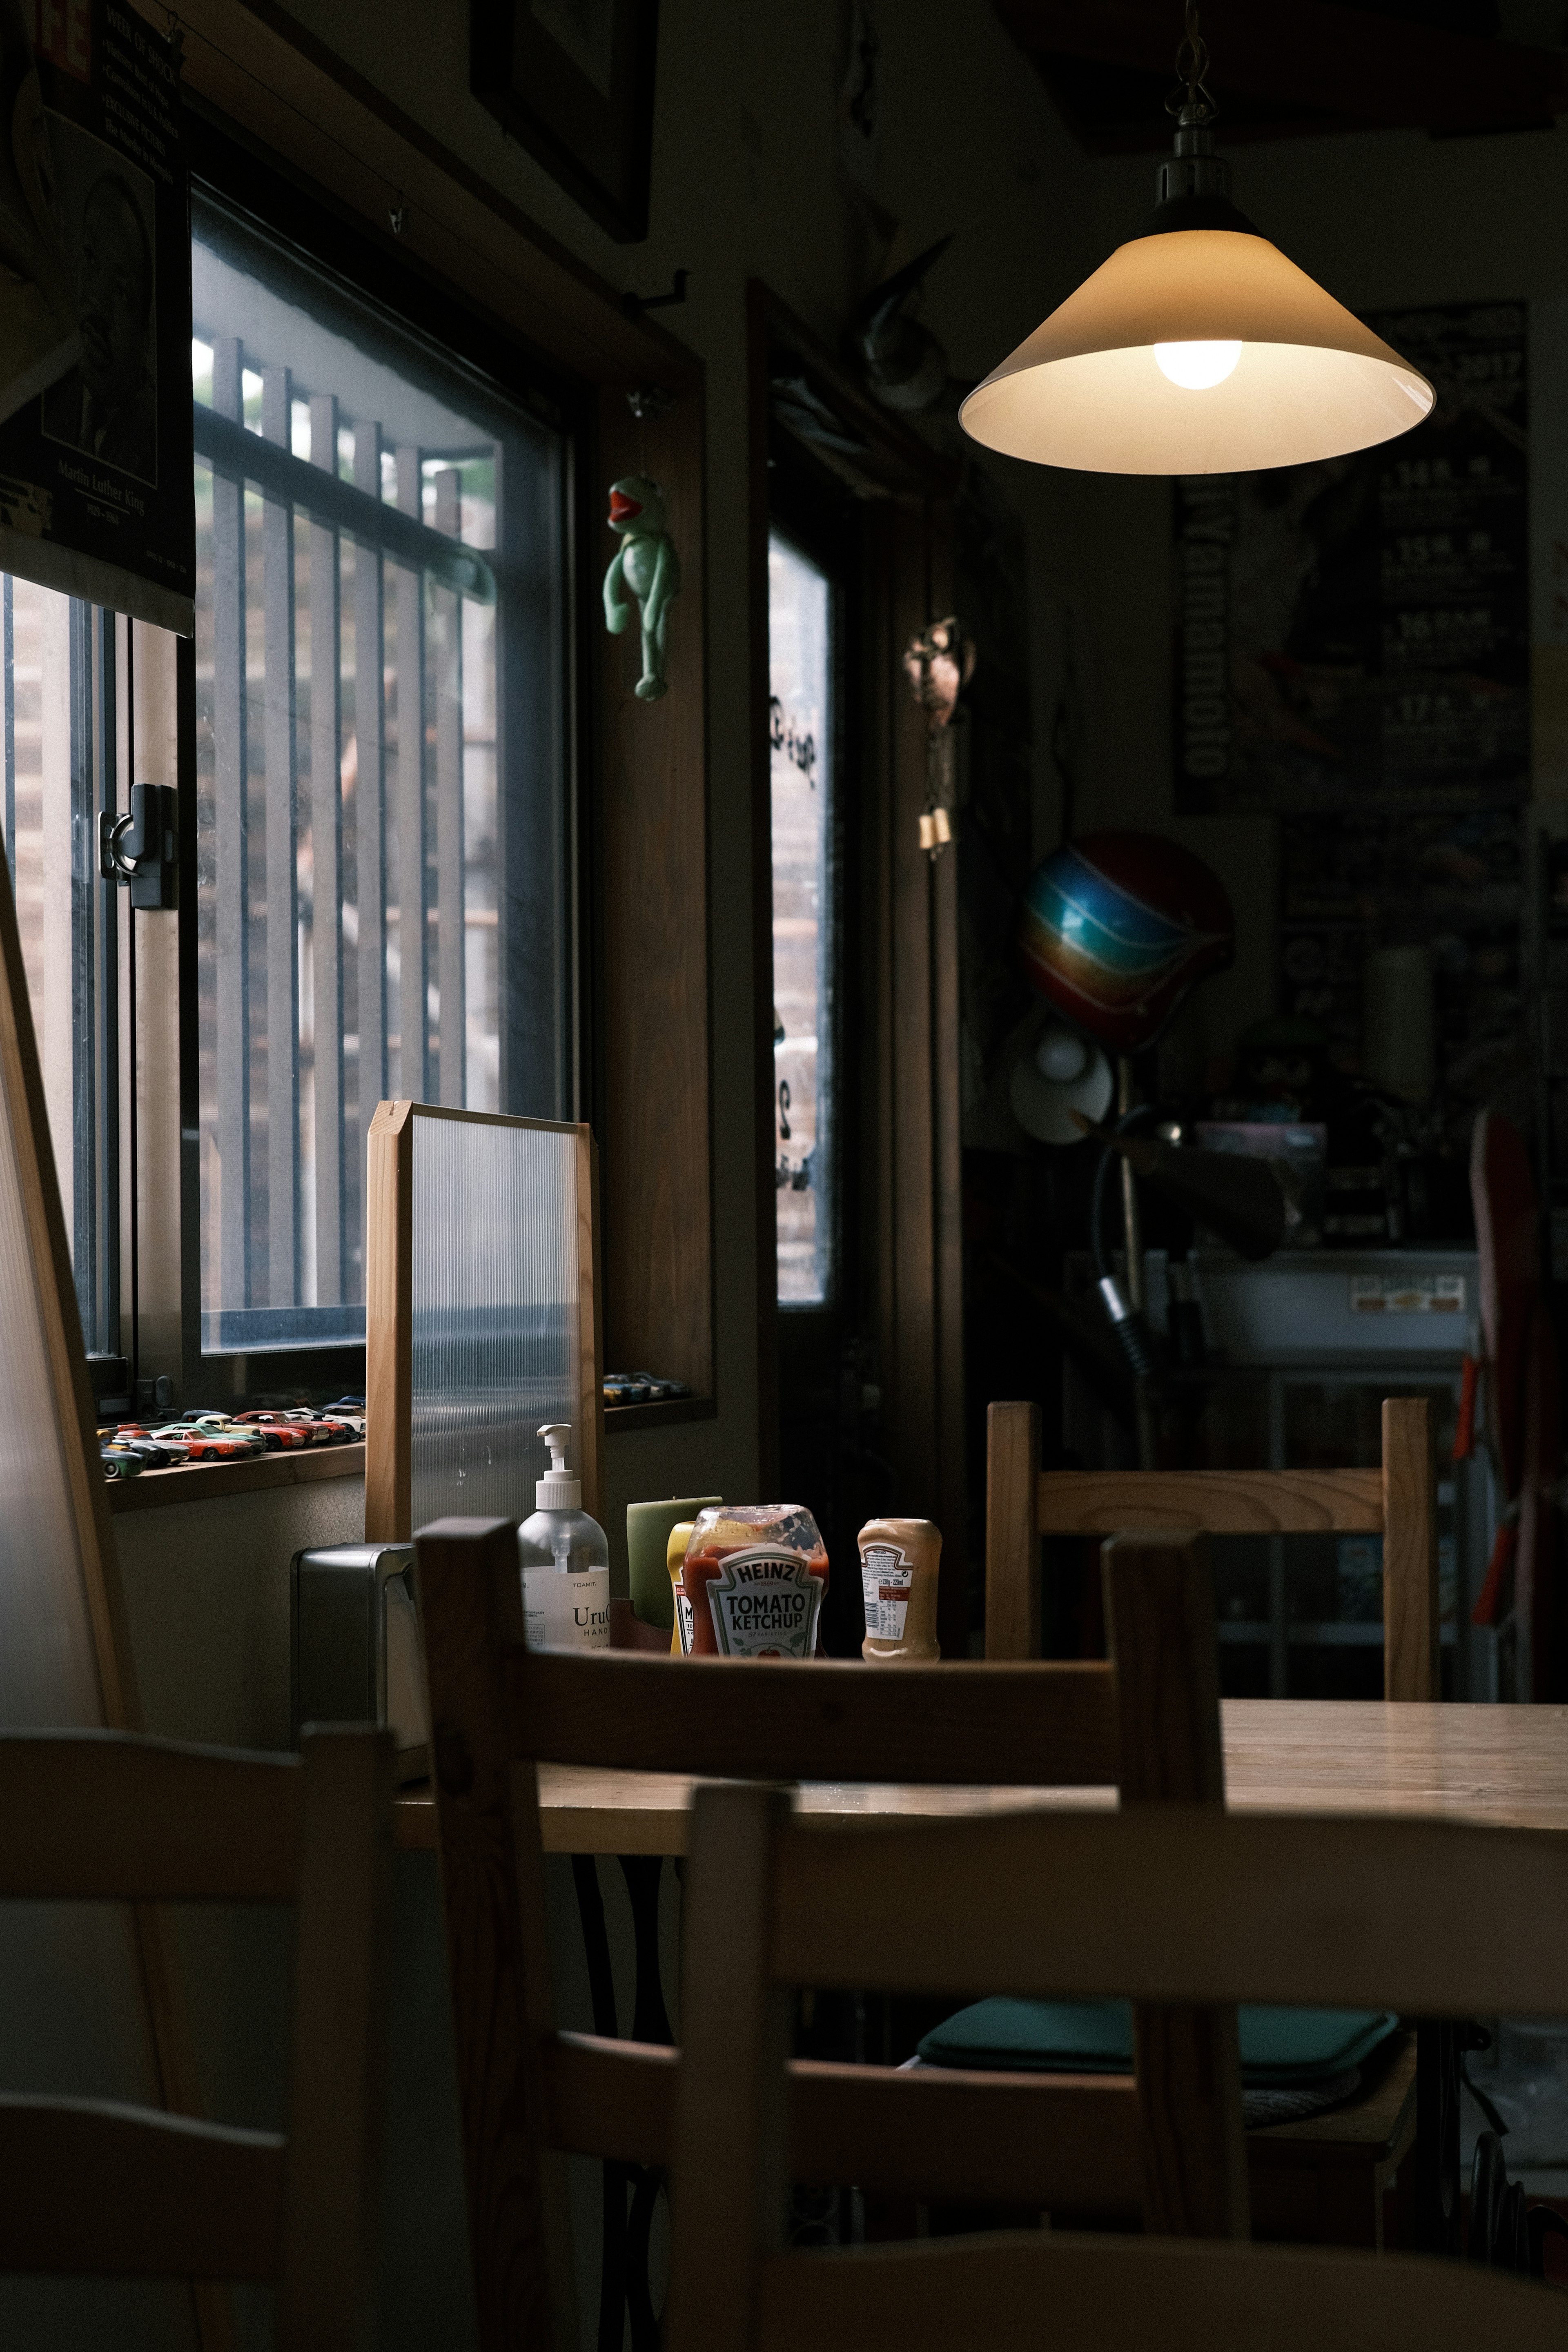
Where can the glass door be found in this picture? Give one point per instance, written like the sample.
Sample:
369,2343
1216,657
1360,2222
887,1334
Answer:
805,920
824,1372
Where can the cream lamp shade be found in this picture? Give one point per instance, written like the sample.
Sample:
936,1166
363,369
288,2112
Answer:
1196,349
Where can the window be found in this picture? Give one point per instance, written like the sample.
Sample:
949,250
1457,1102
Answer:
382,824
381,810
61,770
800,617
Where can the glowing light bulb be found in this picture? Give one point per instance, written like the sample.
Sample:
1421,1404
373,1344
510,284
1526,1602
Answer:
1197,367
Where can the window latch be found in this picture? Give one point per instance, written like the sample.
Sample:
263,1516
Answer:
141,849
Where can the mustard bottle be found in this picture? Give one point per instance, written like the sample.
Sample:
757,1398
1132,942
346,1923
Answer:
675,1560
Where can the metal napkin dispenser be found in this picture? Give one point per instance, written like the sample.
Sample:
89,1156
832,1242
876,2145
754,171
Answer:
355,1643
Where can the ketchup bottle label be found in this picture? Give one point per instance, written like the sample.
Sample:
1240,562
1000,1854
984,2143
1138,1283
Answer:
764,1604
886,1577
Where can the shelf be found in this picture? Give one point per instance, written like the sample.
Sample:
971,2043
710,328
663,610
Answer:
204,1481
657,1416
154,1490
1335,1633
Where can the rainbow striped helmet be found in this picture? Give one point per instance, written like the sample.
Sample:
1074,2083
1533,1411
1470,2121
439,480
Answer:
1116,928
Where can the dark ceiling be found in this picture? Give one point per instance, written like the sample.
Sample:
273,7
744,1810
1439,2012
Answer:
1280,71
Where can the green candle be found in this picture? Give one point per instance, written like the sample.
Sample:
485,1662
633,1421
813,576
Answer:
647,1537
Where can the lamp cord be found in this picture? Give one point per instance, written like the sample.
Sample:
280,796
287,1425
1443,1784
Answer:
1192,101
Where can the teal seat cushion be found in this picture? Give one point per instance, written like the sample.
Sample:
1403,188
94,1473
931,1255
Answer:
1279,2047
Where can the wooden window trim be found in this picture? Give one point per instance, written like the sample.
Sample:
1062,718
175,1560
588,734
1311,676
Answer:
919,1276
643,1043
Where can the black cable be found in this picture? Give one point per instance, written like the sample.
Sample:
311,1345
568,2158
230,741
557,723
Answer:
1127,1321
1102,1265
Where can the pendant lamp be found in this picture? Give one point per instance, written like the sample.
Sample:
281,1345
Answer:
1197,348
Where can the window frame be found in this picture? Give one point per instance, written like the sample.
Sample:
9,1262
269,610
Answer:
908,1130
423,220
265,199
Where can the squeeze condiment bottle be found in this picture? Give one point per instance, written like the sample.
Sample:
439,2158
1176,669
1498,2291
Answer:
752,1579
899,1564
565,1560
675,1560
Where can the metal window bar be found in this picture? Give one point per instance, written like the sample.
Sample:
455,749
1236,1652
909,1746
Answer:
370,798
106,633
326,873
78,1199
362,732
281,1230
413,946
448,633
233,891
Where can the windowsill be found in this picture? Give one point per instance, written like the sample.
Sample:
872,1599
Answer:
657,1416
156,1490
206,1481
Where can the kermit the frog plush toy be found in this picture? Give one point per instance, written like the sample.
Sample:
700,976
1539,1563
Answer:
646,565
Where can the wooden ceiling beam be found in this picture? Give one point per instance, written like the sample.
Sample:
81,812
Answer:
1375,70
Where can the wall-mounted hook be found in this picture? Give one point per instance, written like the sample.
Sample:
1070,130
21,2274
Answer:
398,215
633,305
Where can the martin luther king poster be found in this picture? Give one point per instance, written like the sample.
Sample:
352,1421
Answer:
95,309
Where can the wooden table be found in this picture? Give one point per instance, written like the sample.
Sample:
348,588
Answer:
1325,2178
1503,1765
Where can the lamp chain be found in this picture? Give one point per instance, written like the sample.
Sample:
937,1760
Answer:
1191,100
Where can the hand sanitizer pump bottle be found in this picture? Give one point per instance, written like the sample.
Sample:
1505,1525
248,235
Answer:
565,1560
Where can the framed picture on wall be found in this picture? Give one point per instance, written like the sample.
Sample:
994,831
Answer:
573,81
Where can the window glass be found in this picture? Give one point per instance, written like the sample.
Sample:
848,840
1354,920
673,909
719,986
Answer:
800,615
59,751
381,801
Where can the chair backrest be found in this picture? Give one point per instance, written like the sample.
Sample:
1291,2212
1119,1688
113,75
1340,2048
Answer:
529,2093
1397,1502
1176,1905
94,2186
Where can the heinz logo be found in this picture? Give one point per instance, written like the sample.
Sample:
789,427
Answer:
62,34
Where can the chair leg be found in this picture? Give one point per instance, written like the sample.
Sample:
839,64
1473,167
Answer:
1437,2050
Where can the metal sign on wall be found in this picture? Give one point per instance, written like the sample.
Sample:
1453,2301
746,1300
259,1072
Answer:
95,485
1356,634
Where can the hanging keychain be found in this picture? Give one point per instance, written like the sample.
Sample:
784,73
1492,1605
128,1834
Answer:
939,665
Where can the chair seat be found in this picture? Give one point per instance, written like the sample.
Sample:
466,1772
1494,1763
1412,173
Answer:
1280,2048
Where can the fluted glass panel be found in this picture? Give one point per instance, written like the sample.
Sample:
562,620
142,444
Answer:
495,1344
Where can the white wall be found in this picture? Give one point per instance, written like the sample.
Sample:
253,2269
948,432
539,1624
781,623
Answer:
206,1593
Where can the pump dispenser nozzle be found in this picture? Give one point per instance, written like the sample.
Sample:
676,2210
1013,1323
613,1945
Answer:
558,1490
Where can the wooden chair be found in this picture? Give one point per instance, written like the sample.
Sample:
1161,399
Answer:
1182,1905
1398,1503
95,2186
1322,2177
1169,2146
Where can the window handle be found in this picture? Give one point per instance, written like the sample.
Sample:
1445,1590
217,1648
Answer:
139,850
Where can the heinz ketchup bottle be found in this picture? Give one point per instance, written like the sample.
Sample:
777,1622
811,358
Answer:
753,1582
